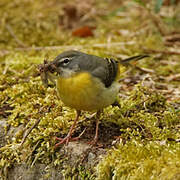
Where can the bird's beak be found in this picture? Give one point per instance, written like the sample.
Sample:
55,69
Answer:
53,68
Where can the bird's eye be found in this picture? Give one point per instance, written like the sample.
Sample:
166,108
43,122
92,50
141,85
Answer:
65,61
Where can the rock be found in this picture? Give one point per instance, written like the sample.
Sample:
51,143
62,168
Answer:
37,172
76,153
82,153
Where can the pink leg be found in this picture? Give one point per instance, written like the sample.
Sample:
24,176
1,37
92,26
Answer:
94,141
68,137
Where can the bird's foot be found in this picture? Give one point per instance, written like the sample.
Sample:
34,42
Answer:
68,139
65,140
93,142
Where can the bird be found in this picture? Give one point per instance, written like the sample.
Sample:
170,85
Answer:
84,82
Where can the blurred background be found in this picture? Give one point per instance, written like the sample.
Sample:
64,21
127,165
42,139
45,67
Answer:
29,23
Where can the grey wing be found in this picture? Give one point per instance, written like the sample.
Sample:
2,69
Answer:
101,73
107,71
103,68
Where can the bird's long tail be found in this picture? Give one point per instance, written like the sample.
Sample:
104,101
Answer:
135,58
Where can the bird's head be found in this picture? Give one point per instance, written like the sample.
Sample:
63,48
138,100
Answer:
67,63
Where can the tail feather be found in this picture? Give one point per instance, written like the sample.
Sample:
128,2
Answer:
135,58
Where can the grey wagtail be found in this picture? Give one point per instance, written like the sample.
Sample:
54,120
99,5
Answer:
84,82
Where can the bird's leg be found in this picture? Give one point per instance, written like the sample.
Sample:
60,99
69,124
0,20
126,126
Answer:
68,137
94,141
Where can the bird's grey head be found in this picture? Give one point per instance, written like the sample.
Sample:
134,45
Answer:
67,63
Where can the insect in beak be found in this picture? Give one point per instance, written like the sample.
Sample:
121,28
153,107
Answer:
48,72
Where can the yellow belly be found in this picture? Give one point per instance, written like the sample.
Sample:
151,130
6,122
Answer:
84,92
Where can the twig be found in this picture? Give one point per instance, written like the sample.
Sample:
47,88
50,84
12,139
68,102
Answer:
162,51
76,46
8,27
173,77
144,69
70,46
158,23
29,131
29,155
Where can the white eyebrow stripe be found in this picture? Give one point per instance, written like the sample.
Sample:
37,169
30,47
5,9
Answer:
61,60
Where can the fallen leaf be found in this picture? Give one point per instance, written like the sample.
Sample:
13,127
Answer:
84,31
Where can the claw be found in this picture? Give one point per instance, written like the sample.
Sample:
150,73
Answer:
93,142
68,139
63,141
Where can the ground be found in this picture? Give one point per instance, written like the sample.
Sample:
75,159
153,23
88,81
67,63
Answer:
140,139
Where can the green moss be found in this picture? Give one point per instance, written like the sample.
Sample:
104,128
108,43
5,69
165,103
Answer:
147,121
139,160
78,172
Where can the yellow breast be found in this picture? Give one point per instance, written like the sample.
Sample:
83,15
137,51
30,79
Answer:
84,92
